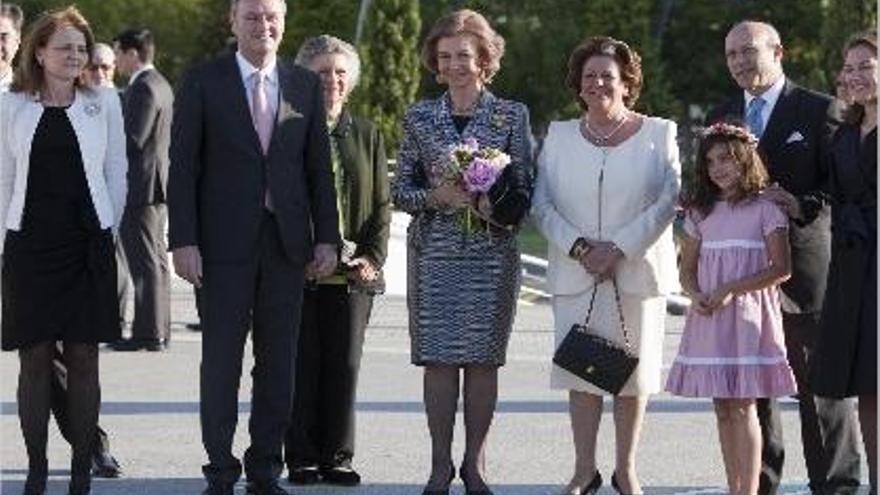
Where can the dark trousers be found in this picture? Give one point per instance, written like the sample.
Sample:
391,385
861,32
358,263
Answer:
123,280
829,431
142,233
197,295
34,403
58,404
265,293
331,342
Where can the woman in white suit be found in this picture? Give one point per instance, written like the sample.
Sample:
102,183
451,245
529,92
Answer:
604,198
62,193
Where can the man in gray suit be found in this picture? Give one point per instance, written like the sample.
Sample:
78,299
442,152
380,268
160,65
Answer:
252,208
147,106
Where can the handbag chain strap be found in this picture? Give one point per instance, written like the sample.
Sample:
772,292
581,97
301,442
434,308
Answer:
613,278
619,311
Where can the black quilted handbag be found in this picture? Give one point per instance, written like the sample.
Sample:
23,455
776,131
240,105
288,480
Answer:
602,362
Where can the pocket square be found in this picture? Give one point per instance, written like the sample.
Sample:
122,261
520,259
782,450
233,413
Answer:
795,137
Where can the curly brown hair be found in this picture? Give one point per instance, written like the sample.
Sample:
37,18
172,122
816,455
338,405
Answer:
628,61
704,193
490,45
29,76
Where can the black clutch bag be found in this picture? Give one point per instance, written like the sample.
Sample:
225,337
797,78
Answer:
602,362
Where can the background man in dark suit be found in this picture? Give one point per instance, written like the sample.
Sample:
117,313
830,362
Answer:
147,105
250,188
794,126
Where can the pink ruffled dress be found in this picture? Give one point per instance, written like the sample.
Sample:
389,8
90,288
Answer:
739,350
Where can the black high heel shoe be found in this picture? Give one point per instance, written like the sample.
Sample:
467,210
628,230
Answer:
445,491
616,486
467,491
593,486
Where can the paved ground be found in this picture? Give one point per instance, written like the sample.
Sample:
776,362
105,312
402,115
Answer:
150,408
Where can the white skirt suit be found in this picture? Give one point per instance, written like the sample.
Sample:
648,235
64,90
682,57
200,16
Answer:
639,193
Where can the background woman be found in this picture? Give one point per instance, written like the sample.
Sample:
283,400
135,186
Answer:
604,198
62,190
462,286
336,309
845,361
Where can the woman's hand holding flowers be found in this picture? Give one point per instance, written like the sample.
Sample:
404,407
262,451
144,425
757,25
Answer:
450,196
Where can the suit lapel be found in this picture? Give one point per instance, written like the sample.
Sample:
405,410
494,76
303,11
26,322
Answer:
482,115
780,118
234,87
286,98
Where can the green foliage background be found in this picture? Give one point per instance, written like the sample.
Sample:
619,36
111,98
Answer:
681,43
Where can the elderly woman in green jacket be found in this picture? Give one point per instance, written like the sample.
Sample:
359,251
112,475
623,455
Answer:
336,309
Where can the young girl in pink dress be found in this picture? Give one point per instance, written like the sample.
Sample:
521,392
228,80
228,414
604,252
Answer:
734,256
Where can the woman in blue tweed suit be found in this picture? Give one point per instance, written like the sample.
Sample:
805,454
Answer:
462,286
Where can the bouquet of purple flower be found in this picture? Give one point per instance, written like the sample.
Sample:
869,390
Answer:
475,169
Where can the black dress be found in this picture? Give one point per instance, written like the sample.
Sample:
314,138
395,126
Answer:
59,270
845,359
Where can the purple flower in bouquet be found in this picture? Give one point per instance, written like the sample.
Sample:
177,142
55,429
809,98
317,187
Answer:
480,175
475,169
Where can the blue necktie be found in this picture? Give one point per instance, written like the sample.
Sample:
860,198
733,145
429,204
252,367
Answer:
753,116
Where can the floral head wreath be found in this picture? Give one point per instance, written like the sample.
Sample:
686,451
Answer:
732,130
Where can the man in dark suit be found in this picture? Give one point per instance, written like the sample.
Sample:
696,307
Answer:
252,209
147,106
794,126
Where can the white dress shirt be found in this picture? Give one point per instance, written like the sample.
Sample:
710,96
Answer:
271,74
770,97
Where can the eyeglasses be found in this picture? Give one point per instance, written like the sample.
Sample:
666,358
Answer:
103,67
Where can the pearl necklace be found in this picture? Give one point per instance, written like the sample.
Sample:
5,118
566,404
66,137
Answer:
604,138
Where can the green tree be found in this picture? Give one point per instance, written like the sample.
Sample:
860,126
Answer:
390,79
693,44
184,30
541,35
307,18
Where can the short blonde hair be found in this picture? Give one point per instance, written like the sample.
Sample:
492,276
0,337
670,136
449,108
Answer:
490,45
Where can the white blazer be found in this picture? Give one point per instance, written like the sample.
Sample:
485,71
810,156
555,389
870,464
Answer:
641,181
96,117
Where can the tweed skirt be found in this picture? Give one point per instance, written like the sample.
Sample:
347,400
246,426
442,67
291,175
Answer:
461,293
